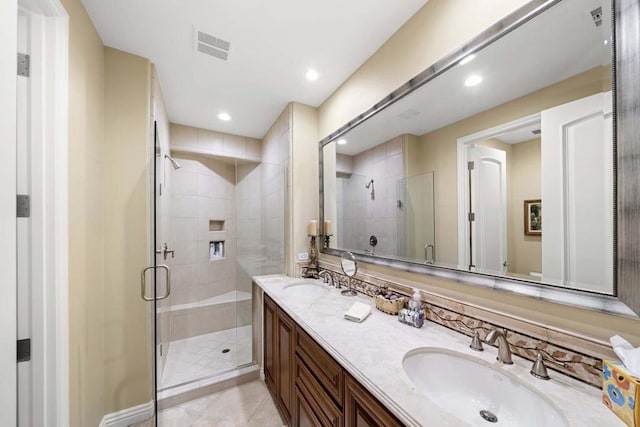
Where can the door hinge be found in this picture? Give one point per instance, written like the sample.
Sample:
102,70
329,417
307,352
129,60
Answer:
24,62
24,350
23,205
160,349
470,165
472,216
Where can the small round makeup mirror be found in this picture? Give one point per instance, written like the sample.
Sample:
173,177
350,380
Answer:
349,268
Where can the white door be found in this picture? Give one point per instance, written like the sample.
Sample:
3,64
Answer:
577,193
24,231
8,22
488,198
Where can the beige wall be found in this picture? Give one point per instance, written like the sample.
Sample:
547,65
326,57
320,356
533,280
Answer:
304,168
109,109
86,219
525,252
126,196
439,27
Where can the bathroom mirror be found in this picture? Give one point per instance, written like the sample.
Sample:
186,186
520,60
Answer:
499,160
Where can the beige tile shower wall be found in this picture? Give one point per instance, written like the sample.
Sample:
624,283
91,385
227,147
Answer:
439,27
273,196
187,139
203,189
86,219
385,164
163,204
251,225
127,190
436,29
276,150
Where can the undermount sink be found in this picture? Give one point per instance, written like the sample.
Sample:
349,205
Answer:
306,290
476,392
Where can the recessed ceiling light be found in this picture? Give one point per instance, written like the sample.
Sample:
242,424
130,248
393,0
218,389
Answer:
473,80
224,117
467,59
606,42
342,141
312,75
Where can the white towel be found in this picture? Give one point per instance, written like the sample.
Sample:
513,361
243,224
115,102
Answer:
358,312
629,355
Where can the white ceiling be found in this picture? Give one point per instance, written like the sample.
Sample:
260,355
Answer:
273,43
556,45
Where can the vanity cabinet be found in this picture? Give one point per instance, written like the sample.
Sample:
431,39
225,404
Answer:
309,387
279,356
361,409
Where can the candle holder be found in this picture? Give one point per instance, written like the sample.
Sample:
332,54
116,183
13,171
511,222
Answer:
311,271
327,241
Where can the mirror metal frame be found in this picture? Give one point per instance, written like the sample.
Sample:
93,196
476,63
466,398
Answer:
626,69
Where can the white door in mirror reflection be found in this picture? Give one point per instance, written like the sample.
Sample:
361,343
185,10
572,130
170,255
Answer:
577,193
488,206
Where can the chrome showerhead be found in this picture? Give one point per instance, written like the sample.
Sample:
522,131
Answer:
175,164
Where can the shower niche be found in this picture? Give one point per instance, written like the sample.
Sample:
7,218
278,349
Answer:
216,225
216,250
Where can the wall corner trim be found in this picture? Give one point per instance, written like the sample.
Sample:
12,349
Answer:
128,416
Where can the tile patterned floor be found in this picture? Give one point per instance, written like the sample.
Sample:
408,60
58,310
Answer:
246,405
201,356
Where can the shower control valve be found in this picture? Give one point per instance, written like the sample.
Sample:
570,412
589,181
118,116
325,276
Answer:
164,250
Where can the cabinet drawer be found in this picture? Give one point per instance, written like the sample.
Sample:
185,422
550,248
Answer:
323,406
328,372
361,409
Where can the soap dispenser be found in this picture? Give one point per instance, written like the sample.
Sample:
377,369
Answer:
414,314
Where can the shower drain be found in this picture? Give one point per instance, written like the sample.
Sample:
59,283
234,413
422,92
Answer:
226,350
489,416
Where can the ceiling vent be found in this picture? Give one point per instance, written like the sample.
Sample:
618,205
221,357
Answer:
409,114
596,14
210,45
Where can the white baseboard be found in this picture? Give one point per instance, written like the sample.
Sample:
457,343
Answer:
126,417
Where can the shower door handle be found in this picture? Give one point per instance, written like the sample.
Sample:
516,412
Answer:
143,282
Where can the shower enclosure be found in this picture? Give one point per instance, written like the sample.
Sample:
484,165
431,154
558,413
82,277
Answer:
219,221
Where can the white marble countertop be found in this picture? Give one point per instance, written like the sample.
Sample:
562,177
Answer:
372,352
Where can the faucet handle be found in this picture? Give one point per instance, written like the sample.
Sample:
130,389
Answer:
539,370
476,342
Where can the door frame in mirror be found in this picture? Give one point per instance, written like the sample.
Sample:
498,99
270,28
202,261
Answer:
626,295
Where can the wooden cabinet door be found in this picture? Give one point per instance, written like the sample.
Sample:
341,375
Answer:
361,409
323,407
285,362
304,416
269,343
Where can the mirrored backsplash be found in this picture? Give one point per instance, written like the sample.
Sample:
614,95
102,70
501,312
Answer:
504,164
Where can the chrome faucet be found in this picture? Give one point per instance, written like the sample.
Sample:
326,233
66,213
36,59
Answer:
327,278
504,352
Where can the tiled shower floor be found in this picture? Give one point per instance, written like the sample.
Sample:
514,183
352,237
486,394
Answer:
201,356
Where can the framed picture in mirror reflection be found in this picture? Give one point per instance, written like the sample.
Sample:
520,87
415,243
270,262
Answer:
533,217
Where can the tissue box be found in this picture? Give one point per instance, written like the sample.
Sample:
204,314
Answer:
389,306
621,392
